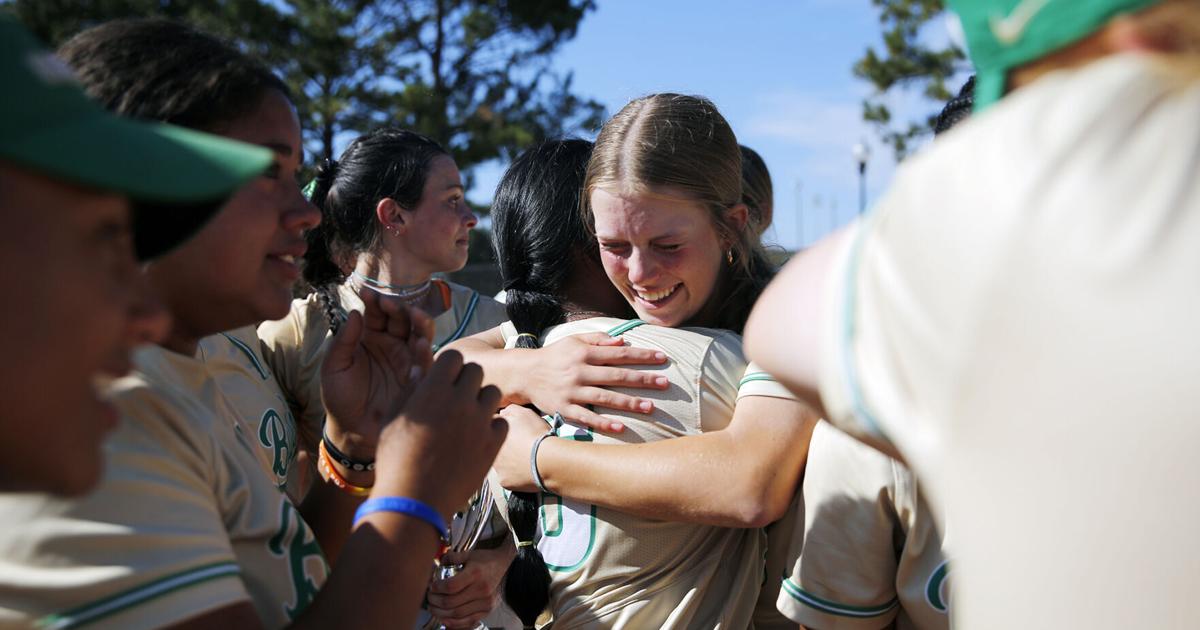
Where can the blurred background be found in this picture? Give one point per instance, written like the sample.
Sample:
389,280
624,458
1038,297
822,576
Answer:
833,94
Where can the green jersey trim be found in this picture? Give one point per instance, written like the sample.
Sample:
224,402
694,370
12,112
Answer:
462,326
835,608
138,595
850,333
624,327
258,366
755,376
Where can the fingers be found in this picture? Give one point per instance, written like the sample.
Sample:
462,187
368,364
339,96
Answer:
589,418
624,355
344,343
622,377
489,397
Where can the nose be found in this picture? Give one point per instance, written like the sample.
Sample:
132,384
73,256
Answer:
642,267
469,218
300,214
148,319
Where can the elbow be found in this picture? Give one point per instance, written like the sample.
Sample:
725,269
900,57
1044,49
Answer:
757,510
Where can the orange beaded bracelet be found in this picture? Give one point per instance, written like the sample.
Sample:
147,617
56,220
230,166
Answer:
325,466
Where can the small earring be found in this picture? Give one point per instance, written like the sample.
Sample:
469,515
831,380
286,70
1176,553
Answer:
729,256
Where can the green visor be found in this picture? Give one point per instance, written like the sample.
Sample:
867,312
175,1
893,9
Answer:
1005,34
176,178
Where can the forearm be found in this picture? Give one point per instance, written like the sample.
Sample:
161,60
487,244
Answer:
784,331
502,368
330,513
393,554
708,479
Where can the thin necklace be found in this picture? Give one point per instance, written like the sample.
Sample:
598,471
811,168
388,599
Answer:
411,293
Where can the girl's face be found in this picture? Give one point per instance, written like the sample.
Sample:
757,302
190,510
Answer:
436,233
661,252
240,268
83,305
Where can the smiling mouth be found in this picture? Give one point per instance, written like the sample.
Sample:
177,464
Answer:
654,297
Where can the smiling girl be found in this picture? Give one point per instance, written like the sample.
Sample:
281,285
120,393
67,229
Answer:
663,186
186,530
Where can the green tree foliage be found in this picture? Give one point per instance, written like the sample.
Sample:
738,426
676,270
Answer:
907,62
473,74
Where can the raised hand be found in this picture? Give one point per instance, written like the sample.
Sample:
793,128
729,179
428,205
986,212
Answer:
370,370
442,443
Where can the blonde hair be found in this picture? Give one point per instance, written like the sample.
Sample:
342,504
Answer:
683,143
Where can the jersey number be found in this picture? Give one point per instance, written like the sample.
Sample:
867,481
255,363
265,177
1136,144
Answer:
568,526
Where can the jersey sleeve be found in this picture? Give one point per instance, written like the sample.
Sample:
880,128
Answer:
293,348
843,563
756,382
147,549
896,321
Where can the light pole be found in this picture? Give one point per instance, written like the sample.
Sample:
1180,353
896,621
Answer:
799,214
862,154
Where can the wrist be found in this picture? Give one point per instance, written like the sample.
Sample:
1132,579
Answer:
347,458
351,443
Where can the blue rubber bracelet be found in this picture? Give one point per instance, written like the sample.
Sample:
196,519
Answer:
404,505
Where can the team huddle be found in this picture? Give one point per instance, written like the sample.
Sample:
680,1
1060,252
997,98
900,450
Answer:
947,396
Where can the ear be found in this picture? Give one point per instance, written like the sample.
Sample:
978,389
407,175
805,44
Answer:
736,217
1124,34
390,215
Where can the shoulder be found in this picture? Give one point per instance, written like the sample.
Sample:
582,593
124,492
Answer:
475,306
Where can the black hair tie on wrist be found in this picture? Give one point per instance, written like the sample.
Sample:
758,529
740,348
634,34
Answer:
345,460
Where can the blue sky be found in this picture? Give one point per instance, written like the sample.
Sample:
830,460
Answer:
779,70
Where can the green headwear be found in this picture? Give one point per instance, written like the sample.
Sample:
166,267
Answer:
1004,34
177,177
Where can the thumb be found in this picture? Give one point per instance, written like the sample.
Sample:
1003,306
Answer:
343,345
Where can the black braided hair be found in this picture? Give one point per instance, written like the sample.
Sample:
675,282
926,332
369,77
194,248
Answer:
386,163
538,233
957,109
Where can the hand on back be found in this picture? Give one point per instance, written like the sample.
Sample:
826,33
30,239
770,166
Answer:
570,375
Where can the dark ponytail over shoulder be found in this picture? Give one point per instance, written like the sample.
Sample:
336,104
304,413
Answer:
527,583
538,234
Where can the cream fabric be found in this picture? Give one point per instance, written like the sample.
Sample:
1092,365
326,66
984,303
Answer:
184,522
614,570
1018,316
235,361
294,345
867,551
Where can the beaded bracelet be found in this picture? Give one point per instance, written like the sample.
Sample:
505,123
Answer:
327,470
407,506
345,460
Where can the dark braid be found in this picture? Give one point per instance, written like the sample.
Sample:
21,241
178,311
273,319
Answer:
538,235
958,109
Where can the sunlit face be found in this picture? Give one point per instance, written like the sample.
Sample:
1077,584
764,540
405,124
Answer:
437,232
661,252
78,304
240,268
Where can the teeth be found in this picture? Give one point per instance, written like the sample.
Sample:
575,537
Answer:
288,259
657,295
